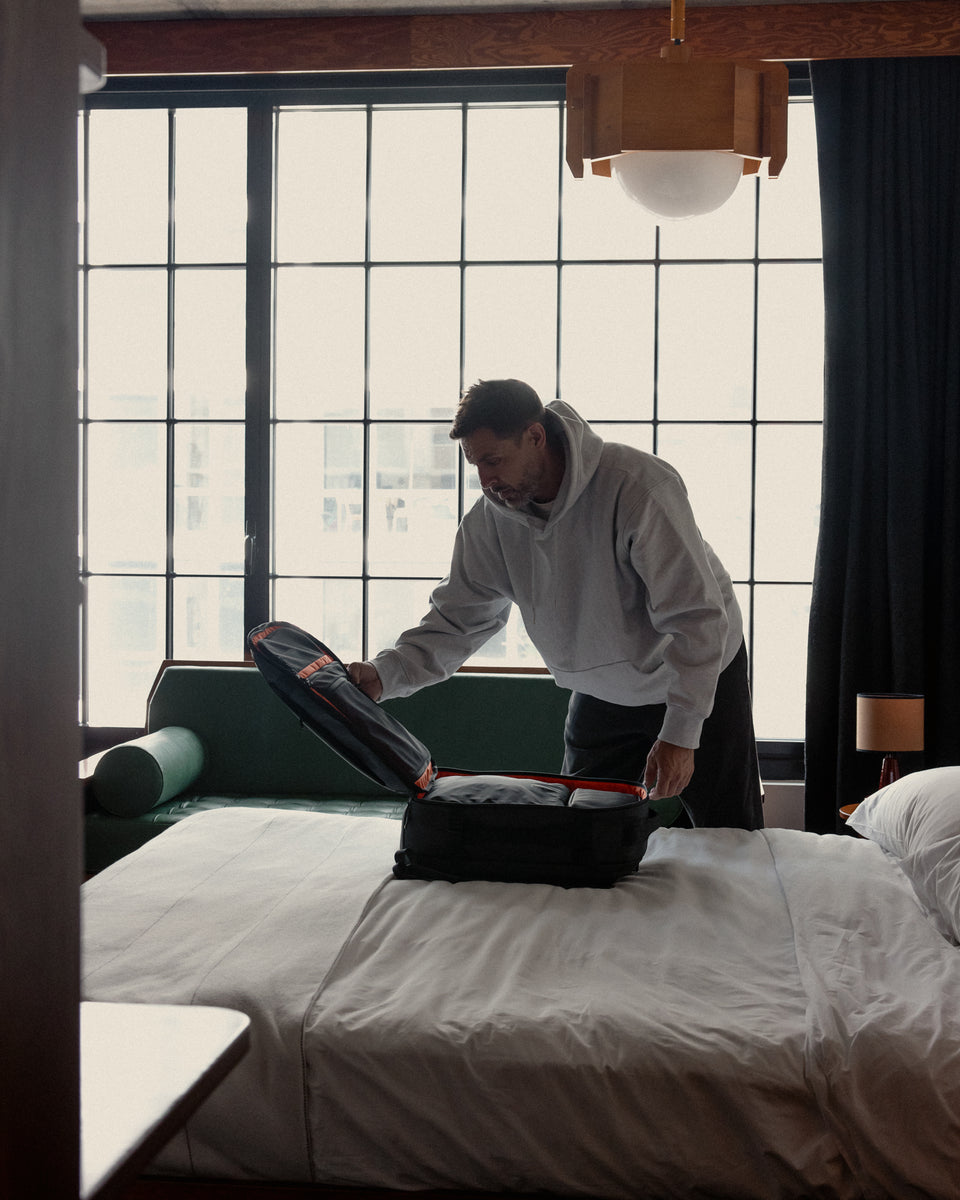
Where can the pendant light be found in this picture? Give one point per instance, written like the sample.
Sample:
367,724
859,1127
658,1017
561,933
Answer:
676,133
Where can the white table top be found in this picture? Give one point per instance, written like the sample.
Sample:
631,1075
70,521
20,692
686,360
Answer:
144,1068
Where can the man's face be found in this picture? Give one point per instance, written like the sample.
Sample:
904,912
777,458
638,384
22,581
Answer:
510,470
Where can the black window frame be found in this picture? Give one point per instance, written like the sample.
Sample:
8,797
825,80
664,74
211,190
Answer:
261,95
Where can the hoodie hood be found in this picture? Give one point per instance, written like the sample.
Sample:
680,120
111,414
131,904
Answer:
582,449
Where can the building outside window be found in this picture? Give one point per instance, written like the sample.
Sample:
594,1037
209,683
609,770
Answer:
267,384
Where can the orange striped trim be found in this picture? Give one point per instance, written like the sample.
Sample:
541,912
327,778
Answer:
315,666
263,633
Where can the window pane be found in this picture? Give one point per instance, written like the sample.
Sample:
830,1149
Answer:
208,533
393,606
714,462
512,171
727,233
788,501
125,647
331,609
81,321
511,647
511,326
414,341
211,185
639,436
415,184
781,615
413,499
790,342
790,205
601,221
127,347
706,342
126,497
472,488
81,190
319,342
318,500
128,210
208,619
210,344
321,185
606,341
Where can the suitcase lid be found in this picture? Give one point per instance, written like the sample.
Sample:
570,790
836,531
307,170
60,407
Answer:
312,681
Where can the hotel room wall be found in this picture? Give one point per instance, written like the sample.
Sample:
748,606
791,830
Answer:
39,800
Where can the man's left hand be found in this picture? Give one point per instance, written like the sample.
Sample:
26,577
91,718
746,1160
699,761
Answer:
669,769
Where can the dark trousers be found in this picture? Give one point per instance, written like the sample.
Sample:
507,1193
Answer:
612,741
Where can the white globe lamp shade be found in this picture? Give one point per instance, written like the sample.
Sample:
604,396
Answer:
678,183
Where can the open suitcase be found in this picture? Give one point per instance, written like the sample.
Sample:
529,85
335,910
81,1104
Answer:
459,825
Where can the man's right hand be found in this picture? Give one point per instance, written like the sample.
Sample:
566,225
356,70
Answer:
364,675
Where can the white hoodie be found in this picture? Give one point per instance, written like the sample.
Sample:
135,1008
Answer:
618,591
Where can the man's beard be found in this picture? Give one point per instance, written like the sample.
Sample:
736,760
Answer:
517,497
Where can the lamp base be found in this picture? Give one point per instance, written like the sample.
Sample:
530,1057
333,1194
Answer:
890,770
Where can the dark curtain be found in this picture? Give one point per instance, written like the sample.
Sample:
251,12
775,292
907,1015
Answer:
886,594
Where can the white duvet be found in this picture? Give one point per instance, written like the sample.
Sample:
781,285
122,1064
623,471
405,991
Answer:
759,1015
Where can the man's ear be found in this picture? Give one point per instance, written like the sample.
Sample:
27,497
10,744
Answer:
538,433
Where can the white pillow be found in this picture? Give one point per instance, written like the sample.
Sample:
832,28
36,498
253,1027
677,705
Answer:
917,820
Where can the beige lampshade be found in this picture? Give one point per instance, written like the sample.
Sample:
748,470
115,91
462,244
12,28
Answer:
889,722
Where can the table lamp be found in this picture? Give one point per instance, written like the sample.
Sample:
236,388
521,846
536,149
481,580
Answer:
889,723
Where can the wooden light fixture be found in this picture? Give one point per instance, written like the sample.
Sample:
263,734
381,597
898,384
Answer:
677,134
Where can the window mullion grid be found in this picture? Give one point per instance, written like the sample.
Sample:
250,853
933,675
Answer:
169,608
754,428
261,278
558,368
262,150
367,430
461,466
657,265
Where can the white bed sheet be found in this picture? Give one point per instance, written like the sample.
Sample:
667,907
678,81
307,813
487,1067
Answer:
751,1015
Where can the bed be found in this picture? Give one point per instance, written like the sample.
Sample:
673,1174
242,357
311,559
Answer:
767,1014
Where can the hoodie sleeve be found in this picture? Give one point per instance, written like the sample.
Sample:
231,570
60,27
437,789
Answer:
467,608
685,603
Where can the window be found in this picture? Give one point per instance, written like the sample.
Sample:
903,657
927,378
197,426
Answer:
266,391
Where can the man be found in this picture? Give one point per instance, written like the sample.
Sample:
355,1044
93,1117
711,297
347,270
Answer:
597,545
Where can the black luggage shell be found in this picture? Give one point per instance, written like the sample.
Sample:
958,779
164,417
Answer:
478,831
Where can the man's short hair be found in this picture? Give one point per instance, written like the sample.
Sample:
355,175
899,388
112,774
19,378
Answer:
504,406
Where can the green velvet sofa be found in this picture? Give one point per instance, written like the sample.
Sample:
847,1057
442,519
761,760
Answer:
216,735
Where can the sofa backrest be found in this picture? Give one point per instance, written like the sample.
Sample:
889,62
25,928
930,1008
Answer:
254,745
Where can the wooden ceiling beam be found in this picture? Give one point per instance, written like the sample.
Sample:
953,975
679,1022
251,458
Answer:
862,29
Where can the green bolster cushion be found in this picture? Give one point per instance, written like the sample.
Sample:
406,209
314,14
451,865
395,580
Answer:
132,778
